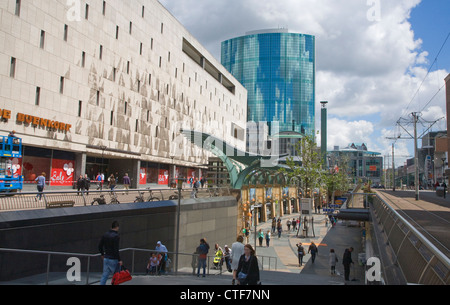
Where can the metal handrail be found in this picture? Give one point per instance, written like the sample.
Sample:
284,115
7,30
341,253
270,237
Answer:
436,253
133,250
27,200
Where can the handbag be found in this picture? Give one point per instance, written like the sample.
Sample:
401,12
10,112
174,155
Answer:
121,275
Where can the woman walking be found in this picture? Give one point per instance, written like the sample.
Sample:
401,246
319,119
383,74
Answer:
248,270
313,250
268,238
260,237
301,253
333,260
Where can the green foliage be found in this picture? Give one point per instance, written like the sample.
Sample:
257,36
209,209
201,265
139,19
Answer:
309,172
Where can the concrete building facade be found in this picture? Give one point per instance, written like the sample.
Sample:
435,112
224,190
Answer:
106,86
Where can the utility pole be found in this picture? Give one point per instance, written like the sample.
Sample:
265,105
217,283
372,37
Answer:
416,156
393,169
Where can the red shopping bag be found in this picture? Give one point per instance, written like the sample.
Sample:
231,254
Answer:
121,275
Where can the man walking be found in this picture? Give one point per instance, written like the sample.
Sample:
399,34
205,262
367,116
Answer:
40,186
346,261
126,182
109,251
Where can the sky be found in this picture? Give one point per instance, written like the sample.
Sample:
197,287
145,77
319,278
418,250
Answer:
376,60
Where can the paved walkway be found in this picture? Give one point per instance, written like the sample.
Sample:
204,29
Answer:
284,249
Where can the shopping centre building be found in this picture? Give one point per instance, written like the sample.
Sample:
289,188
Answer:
105,86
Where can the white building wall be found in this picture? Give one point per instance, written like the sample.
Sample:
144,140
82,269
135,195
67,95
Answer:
188,96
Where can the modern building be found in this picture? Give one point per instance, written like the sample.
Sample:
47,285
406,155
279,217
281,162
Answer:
106,86
362,163
278,70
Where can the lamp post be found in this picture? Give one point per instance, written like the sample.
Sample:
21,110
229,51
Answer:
177,246
103,148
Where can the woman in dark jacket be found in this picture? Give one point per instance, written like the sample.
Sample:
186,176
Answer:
248,264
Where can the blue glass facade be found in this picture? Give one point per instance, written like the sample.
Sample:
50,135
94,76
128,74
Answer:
278,70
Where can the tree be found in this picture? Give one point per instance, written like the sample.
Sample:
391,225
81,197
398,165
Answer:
310,170
337,179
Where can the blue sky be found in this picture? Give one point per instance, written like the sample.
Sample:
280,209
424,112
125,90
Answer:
430,21
368,70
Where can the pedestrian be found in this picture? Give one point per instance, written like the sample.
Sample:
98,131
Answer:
227,256
87,183
294,224
196,186
191,181
237,249
279,228
126,182
218,257
300,253
248,270
202,181
80,185
332,261
109,251
202,251
346,261
288,223
274,224
112,182
40,185
260,237
268,238
98,180
313,250
160,248
445,188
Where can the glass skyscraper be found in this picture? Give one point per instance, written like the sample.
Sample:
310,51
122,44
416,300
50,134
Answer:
278,70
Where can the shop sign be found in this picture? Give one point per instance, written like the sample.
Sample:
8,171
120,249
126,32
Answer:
35,121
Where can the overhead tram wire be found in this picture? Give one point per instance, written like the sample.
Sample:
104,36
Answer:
428,72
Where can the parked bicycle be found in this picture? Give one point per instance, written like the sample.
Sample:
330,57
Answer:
175,196
101,200
140,197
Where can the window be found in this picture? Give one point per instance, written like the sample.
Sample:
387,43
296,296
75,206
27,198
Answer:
42,42
138,86
176,72
168,57
12,71
61,85
114,74
162,28
160,61
104,8
83,59
80,104
86,12
148,115
140,49
111,118
66,29
156,132
125,108
117,32
137,124
131,27
98,97
151,44
37,99
143,11
101,52
149,79
18,7
128,67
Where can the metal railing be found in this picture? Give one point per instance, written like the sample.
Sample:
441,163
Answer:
49,199
54,266
420,261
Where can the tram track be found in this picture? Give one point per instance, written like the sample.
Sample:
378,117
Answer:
432,219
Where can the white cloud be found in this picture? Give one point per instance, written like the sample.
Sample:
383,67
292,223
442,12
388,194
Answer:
368,70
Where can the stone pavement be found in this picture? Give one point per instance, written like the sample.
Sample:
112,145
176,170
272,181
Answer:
288,272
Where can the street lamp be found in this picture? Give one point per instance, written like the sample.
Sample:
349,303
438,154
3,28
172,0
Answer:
177,246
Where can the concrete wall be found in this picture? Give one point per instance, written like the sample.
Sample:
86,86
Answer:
79,230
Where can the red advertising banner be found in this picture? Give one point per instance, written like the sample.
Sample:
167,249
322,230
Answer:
13,167
163,177
373,168
143,175
62,172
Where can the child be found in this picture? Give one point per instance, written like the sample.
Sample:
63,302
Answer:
333,260
153,264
